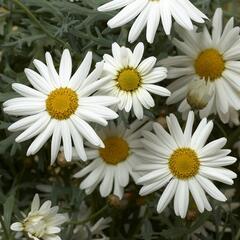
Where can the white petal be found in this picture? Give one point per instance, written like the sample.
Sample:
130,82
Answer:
27,91
55,144
210,188
183,199
52,71
81,73
41,139
37,81
194,188
87,131
107,183
78,141
161,91
167,195
65,69
139,24
137,55
127,14
66,137
153,21
37,127
146,65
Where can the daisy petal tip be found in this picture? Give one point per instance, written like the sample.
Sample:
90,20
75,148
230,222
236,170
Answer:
17,139
141,193
224,199
27,70
84,158
100,9
101,145
52,162
66,51
110,24
29,153
159,210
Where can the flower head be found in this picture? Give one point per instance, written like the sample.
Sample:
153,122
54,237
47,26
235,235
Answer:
60,106
183,162
113,164
42,222
149,13
132,79
213,59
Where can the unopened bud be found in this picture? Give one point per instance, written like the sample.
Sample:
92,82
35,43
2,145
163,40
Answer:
61,159
199,94
192,214
116,202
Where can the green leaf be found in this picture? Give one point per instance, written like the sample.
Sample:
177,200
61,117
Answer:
8,209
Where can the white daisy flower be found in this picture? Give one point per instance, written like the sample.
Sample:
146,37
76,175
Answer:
113,164
60,106
149,12
210,60
132,79
183,162
42,222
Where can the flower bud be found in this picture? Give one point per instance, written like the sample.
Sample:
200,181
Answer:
199,94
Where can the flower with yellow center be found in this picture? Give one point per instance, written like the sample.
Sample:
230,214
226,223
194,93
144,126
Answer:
42,222
62,103
128,79
132,80
213,59
149,13
116,150
183,162
209,64
61,106
112,166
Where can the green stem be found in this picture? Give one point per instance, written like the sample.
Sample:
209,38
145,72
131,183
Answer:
5,231
90,217
35,20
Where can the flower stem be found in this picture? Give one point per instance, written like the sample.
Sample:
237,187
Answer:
5,231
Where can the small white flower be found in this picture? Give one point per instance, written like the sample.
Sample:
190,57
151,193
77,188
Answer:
113,164
183,162
149,13
61,106
132,79
42,222
214,59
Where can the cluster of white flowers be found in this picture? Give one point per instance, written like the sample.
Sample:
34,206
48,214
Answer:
62,106
42,222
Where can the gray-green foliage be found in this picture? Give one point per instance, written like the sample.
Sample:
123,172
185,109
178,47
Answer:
29,28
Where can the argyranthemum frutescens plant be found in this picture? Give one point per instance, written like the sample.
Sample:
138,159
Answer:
42,222
132,78
149,13
113,165
126,78
181,161
207,70
60,106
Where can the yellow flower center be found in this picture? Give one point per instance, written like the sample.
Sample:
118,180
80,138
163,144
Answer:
115,151
209,64
128,79
62,103
184,163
